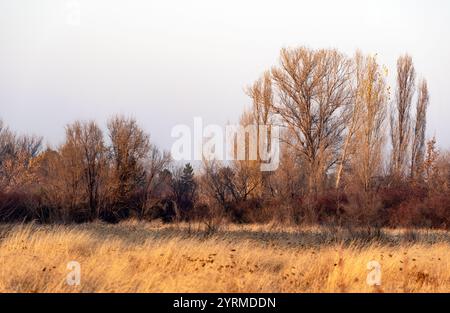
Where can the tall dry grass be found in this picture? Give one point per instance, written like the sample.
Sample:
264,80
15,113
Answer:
142,257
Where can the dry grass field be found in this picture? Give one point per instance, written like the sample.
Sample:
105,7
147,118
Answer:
149,257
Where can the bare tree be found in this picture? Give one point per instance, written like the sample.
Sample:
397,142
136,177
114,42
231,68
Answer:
54,176
72,177
353,120
214,183
313,89
244,182
400,115
84,140
129,148
288,182
418,144
16,158
372,97
69,177
247,178
154,165
431,171
8,156
262,113
262,95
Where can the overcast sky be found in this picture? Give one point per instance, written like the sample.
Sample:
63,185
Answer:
165,61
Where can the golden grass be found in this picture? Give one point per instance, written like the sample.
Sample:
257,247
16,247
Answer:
144,257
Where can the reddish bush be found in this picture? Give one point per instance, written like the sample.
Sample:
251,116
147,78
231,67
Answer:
21,207
415,206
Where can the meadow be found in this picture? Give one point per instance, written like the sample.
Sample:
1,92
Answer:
152,257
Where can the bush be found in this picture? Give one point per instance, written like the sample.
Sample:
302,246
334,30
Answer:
21,207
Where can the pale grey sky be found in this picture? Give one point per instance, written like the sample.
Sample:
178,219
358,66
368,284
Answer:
165,62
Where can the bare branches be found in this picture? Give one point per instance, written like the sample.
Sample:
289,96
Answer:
16,155
400,116
371,98
314,89
418,144
262,95
85,147
129,147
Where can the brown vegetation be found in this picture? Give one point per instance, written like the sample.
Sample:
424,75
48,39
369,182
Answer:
334,166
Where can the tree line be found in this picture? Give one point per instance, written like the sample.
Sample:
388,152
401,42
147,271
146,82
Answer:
352,153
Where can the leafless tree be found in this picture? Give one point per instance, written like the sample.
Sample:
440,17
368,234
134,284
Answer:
313,89
353,121
261,94
418,144
154,165
372,97
400,115
430,164
262,113
129,148
84,141
8,151
214,183
288,182
16,156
